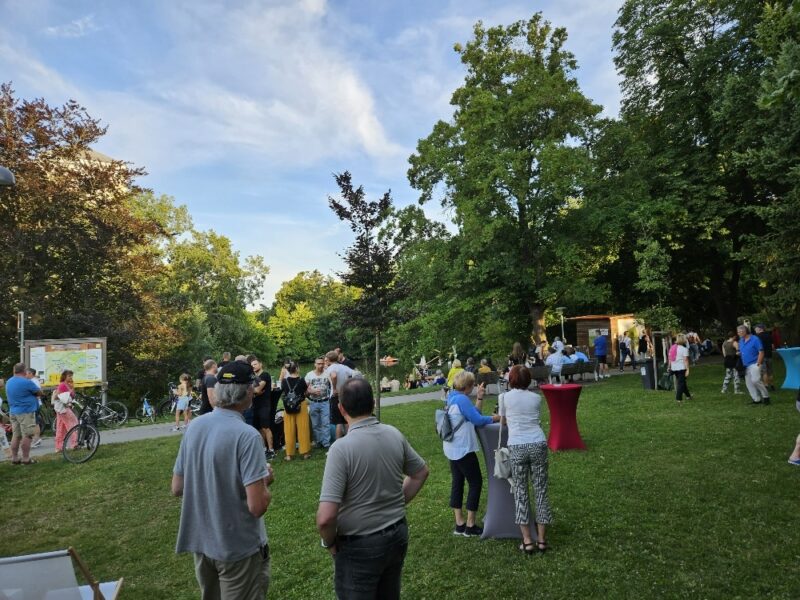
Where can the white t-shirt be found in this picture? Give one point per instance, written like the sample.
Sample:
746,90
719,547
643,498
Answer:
343,373
680,362
521,409
554,361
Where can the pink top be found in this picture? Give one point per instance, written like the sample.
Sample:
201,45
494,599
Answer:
65,387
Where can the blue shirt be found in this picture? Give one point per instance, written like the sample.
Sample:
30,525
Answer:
600,345
580,357
464,439
21,393
750,349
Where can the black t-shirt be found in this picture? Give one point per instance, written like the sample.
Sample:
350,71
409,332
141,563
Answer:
298,384
263,397
207,381
766,341
349,363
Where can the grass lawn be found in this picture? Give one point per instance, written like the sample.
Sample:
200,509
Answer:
693,501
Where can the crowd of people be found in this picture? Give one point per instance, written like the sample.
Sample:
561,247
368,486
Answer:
371,473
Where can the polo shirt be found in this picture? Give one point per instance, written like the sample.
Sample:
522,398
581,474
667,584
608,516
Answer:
364,475
21,393
219,456
749,349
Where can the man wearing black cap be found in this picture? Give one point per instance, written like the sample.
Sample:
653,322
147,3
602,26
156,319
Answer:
221,474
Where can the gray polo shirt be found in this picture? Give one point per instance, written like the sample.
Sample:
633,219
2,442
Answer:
219,456
364,474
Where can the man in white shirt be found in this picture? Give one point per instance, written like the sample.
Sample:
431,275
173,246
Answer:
338,374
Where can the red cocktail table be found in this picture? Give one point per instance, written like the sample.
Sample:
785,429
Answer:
562,400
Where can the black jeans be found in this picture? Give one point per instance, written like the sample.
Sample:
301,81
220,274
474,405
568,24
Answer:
369,567
680,385
466,468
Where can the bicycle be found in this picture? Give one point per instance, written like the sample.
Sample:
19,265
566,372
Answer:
168,405
112,414
146,411
82,440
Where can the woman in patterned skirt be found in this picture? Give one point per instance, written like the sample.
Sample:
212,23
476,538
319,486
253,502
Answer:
528,446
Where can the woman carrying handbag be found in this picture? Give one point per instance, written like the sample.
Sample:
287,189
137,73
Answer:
520,410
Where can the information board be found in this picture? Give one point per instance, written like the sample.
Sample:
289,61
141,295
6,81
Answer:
85,357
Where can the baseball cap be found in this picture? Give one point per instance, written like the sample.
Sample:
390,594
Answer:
235,372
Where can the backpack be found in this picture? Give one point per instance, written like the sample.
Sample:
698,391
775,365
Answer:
292,400
444,424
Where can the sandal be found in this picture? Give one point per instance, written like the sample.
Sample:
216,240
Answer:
28,462
542,547
287,458
528,548
16,462
306,456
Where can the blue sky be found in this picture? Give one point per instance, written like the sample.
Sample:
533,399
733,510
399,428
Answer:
242,110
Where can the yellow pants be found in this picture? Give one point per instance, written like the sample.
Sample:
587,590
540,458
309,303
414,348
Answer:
299,423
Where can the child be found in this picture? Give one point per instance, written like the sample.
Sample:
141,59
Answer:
62,404
184,393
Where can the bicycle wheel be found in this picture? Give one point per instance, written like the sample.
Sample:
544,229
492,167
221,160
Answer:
165,407
80,443
112,415
120,412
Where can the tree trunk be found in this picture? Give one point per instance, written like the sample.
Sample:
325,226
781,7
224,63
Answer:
537,323
377,374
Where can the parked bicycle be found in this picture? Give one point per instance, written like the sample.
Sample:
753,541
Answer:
146,411
81,441
112,414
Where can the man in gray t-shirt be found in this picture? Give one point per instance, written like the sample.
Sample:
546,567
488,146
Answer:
221,474
338,374
370,475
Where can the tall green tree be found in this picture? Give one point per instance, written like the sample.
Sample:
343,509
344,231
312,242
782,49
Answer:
690,85
72,247
370,260
511,165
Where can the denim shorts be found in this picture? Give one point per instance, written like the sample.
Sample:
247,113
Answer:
183,402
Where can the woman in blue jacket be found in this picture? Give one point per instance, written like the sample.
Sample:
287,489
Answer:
462,451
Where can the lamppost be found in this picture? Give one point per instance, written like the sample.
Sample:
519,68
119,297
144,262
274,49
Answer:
560,310
7,178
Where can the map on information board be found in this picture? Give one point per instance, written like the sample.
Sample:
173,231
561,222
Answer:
84,358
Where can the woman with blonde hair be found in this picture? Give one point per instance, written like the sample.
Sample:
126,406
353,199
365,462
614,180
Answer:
462,451
679,365
454,370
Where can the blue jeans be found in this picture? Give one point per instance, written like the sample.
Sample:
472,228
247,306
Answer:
370,566
320,414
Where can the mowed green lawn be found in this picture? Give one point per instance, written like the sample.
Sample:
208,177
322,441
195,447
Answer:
692,501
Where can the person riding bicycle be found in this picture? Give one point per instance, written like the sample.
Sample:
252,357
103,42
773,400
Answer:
184,393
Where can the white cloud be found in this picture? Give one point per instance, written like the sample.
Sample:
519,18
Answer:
74,29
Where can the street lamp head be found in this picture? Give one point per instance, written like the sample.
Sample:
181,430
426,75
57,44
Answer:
7,178
560,310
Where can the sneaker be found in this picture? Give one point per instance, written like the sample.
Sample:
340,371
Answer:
175,429
795,462
475,530
462,529
738,393
755,403
37,443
